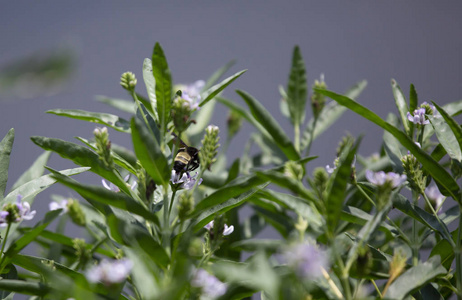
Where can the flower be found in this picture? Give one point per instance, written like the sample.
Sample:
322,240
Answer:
419,116
435,196
381,178
307,260
16,212
210,146
191,93
226,231
187,181
210,286
110,272
61,205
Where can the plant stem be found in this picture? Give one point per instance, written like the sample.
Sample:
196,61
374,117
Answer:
166,224
376,288
3,247
415,249
457,253
297,137
308,148
331,283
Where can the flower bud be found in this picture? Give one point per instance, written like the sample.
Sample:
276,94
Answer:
210,146
76,213
414,173
364,261
82,253
397,264
318,101
293,170
185,205
103,146
234,123
319,181
128,81
181,111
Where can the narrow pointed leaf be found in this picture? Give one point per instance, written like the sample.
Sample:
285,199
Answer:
297,88
415,278
429,164
413,100
202,118
217,74
148,151
109,120
271,125
35,171
392,146
145,116
455,127
446,137
163,80
5,150
216,89
24,287
81,156
401,104
120,104
150,83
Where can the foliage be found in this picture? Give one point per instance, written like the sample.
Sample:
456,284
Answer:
166,223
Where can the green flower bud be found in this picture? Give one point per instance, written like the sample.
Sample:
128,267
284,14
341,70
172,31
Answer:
293,170
319,181
128,81
397,265
82,253
103,146
414,173
210,146
76,213
181,111
301,226
234,123
195,248
318,101
49,263
185,205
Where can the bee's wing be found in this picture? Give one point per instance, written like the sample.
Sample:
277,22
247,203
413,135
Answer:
181,142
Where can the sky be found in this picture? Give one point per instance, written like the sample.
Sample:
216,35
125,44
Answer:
415,42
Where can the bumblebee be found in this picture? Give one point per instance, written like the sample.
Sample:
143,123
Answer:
186,159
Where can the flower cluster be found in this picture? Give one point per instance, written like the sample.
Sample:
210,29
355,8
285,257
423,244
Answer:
381,178
209,146
110,272
306,260
16,212
419,115
210,286
185,179
226,231
186,102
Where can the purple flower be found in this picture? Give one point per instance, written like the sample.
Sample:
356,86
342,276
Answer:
187,181
210,286
191,93
380,178
434,195
61,205
307,260
19,211
227,231
3,218
24,210
419,117
110,272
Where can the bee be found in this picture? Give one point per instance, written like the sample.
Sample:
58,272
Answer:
186,159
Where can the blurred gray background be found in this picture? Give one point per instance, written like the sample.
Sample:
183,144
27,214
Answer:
415,42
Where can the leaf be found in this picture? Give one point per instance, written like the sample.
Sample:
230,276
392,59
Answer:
207,214
357,216
150,83
148,151
257,244
336,189
444,250
202,118
217,74
329,115
110,120
392,147
163,80
413,100
16,246
9,272
81,156
216,89
297,88
35,171
148,120
143,273
429,164
446,137
271,125
105,196
24,287
5,150
415,278
401,104
120,104
455,128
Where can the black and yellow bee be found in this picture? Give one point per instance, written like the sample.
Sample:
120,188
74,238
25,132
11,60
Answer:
186,159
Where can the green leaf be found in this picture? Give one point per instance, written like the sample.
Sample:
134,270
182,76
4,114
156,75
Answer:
392,147
109,120
150,83
257,244
148,151
146,117
434,168
163,80
35,171
29,189
415,278
81,156
329,115
217,74
105,196
357,216
143,273
456,130
27,238
202,118
133,235
413,100
10,272
336,189
208,213
216,89
445,251
446,137
5,150
401,104
120,104
297,88
24,287
271,125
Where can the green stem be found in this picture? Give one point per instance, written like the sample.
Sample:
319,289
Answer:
297,137
171,201
438,218
376,288
415,245
166,224
457,252
308,148
3,247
